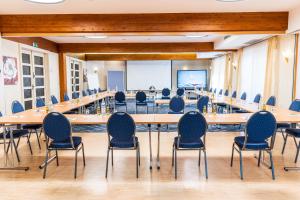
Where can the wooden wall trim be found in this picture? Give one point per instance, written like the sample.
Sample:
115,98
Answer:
135,47
295,72
62,75
42,42
158,56
263,22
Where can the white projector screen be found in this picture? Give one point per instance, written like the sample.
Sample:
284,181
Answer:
143,74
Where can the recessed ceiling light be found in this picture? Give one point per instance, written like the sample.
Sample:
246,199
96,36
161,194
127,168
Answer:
95,36
46,1
229,0
196,36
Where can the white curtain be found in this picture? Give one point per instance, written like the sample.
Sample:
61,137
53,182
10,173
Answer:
218,72
253,70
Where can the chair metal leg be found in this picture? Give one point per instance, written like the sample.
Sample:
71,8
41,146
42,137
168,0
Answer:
56,153
284,143
259,158
137,163
205,162
38,138
272,165
139,156
83,154
173,151
232,153
175,164
29,144
241,165
46,163
199,159
76,156
16,150
298,148
112,157
107,159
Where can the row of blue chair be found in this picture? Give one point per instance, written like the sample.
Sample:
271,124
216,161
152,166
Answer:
166,92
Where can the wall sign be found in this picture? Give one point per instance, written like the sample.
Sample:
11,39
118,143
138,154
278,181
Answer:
10,70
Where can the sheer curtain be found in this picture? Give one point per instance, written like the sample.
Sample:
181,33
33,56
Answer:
253,70
218,72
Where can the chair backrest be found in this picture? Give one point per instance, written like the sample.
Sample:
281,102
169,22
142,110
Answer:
260,126
176,104
99,90
226,93
221,92
1,115
121,127
180,92
16,107
140,96
165,92
95,91
75,95
191,127
120,96
233,94
66,97
295,105
202,102
210,90
271,101
215,90
39,102
244,96
84,93
257,98
57,127
54,99
89,91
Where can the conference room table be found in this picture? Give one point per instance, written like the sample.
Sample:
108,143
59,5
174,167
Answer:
36,116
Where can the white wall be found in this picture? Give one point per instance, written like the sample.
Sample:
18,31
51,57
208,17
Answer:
14,92
294,20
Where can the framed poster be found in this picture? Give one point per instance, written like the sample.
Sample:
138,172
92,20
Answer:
10,70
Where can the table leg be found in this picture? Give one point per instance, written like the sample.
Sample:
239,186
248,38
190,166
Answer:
11,151
158,147
150,146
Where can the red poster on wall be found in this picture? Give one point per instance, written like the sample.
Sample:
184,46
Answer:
10,70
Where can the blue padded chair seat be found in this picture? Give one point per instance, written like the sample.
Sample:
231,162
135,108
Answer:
66,144
119,144
254,146
165,98
172,112
293,131
141,103
241,111
283,125
197,144
16,133
222,104
120,103
32,126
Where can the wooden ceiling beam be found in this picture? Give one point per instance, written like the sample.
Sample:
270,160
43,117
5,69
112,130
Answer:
254,22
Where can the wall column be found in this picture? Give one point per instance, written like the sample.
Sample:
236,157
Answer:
62,75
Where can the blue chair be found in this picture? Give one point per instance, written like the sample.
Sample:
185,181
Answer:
54,99
166,93
180,92
58,133
290,128
17,134
259,136
40,102
17,107
66,97
99,90
95,91
84,93
210,90
120,100
89,91
75,95
257,98
226,93
192,129
244,96
121,136
233,94
202,102
271,101
176,105
215,90
221,92
140,100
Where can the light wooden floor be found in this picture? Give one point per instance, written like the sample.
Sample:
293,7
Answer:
223,182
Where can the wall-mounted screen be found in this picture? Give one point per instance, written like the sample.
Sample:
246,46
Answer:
190,79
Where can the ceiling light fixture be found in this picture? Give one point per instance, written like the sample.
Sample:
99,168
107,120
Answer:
95,36
46,1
